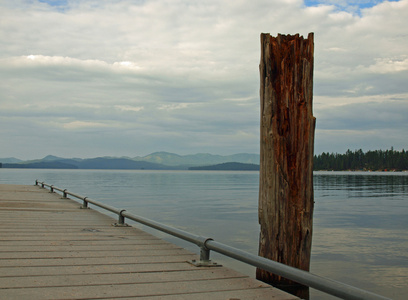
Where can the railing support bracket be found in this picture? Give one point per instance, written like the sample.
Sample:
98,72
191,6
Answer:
208,263
204,257
121,221
121,225
84,204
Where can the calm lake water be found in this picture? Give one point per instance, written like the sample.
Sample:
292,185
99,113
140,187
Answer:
360,219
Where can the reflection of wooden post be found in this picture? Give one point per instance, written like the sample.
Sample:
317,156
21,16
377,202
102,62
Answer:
287,141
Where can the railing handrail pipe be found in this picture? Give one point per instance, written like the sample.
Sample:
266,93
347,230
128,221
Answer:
206,244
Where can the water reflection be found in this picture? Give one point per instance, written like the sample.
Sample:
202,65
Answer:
360,230
360,219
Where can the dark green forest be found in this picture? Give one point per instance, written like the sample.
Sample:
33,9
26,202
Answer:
377,160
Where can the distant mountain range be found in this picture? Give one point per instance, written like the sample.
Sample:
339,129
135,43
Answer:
154,161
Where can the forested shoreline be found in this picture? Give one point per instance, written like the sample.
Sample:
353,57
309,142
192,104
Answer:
377,160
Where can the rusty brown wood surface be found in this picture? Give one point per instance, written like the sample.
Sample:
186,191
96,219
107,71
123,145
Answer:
287,141
51,249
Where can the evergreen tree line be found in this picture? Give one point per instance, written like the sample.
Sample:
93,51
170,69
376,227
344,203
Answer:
358,160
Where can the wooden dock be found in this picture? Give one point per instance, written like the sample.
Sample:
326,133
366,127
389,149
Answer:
51,249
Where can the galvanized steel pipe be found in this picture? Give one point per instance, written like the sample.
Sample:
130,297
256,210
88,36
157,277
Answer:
326,285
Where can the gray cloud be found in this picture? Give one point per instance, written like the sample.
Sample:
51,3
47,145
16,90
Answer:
130,78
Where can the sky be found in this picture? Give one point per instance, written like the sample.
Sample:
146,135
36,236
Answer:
89,78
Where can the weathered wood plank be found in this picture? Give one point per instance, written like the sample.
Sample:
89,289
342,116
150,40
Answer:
24,243
103,247
74,261
90,254
258,294
137,290
94,269
118,278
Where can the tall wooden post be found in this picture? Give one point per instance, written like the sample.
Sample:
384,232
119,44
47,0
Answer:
287,145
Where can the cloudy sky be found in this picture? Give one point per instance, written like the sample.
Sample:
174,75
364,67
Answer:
88,78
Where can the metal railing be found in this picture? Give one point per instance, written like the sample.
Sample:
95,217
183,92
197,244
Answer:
206,244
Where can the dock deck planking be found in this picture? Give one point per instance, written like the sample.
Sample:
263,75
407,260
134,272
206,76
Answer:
51,249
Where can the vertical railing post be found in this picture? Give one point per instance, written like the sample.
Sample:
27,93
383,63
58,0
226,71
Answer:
85,203
121,220
204,256
64,193
52,189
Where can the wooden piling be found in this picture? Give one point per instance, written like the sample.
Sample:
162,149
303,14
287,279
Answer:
287,146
